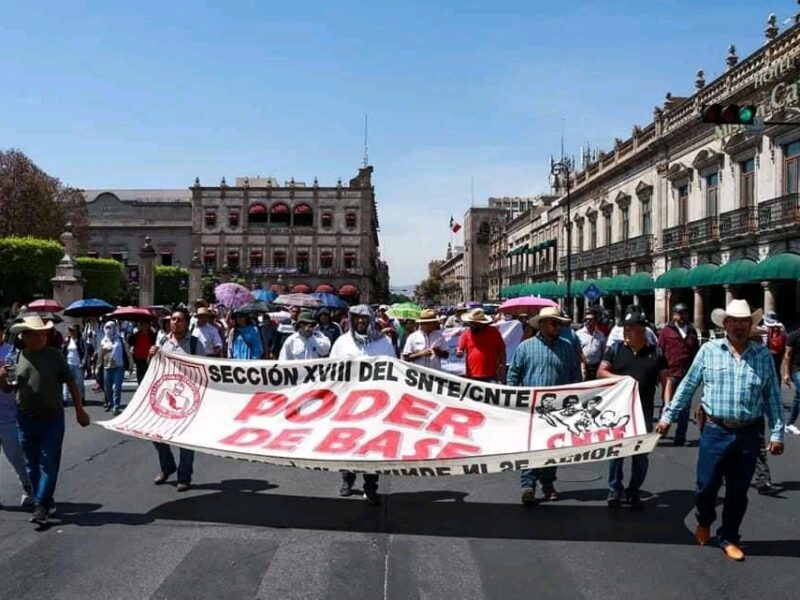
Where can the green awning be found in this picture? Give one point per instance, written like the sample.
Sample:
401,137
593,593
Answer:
603,284
701,275
674,278
579,286
618,284
781,266
559,290
640,283
736,271
546,289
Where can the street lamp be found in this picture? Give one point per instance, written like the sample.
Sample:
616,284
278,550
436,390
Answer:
562,169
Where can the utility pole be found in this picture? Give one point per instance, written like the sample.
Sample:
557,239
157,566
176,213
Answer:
563,168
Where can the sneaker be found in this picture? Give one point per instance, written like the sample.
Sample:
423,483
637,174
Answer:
162,477
27,500
372,497
549,493
106,407
52,510
117,411
614,500
634,501
793,429
39,515
767,489
346,489
529,497
678,442
183,487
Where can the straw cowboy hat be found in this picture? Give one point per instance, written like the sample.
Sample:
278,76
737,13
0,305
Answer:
548,312
737,309
476,315
34,323
428,315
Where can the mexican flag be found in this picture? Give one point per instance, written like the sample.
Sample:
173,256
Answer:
454,227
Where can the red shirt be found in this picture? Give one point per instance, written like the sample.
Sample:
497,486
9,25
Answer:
484,349
776,341
678,350
141,345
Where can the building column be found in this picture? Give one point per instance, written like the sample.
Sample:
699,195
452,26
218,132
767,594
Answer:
636,299
699,319
147,273
728,294
67,281
575,316
195,274
769,297
617,305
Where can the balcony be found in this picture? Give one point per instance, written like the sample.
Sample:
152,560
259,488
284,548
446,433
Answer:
779,213
703,231
674,238
618,251
742,221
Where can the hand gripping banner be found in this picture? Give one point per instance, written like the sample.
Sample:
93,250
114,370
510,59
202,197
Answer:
379,415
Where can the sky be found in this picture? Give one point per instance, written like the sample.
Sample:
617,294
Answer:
154,94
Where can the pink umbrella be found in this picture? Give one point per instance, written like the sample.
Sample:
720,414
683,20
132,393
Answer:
525,304
132,313
233,295
45,305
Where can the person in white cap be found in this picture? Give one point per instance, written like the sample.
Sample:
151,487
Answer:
307,343
739,387
426,346
41,371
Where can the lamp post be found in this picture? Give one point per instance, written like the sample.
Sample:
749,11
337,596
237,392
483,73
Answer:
563,169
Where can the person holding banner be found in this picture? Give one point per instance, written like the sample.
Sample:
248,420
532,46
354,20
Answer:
644,362
306,343
483,346
362,339
543,360
739,387
426,346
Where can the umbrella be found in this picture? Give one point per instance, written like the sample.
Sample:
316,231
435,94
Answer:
299,300
233,295
253,307
88,307
45,305
265,295
406,310
473,304
45,316
132,313
525,304
159,310
330,300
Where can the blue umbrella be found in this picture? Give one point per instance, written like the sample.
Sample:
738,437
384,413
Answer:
264,295
330,300
88,307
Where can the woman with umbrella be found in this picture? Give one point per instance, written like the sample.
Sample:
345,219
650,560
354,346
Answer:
245,340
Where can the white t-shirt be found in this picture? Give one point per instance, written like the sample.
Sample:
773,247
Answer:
418,341
73,356
209,337
298,347
345,347
616,335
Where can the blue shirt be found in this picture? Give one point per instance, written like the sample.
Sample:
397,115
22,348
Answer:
741,390
246,343
538,363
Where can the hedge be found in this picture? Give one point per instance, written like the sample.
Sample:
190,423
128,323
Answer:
169,289
104,278
26,266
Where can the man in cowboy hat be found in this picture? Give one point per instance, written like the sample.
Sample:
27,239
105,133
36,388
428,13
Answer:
306,343
543,360
739,387
454,320
41,372
426,346
484,347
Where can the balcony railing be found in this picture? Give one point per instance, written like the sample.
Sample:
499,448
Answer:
631,249
741,221
618,251
674,237
779,212
703,231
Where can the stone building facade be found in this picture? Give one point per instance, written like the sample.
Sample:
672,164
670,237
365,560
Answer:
452,273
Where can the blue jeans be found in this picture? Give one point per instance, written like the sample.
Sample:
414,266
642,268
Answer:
113,385
9,441
41,441
77,375
728,454
796,402
639,464
544,475
185,465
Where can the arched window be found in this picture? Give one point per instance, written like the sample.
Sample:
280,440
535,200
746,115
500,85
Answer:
279,215
303,216
257,213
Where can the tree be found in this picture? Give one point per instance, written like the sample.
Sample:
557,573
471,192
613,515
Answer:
26,266
430,289
398,298
32,203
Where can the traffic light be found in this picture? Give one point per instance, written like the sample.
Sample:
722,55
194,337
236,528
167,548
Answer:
730,114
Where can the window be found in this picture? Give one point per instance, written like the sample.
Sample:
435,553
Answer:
579,240
791,168
712,197
233,260
233,218
166,258
210,259
683,204
211,218
118,256
257,213
747,180
326,259
279,215
256,259
349,260
625,222
607,227
279,259
647,215
350,219
302,261
303,216
327,219
93,254
593,234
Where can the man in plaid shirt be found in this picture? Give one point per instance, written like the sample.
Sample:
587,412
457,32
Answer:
739,387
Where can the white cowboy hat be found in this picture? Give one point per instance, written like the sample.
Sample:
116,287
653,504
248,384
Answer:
476,315
548,312
428,315
737,309
34,323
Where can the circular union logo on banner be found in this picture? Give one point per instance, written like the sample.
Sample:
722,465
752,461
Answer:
174,396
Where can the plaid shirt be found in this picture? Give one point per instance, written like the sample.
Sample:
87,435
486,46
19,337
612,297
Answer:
741,390
537,363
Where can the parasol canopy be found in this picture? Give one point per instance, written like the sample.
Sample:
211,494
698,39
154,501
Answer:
406,310
330,301
525,304
132,313
299,300
233,295
87,308
264,295
45,305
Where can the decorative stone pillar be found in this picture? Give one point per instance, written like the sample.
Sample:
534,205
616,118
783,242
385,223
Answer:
769,297
618,305
728,294
147,273
195,273
636,299
67,282
575,309
699,318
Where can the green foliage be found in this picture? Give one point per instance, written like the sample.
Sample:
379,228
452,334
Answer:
398,298
104,278
26,266
169,289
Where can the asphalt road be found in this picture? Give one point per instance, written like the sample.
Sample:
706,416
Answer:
258,531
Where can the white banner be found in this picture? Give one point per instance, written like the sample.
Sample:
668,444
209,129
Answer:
379,415
512,336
